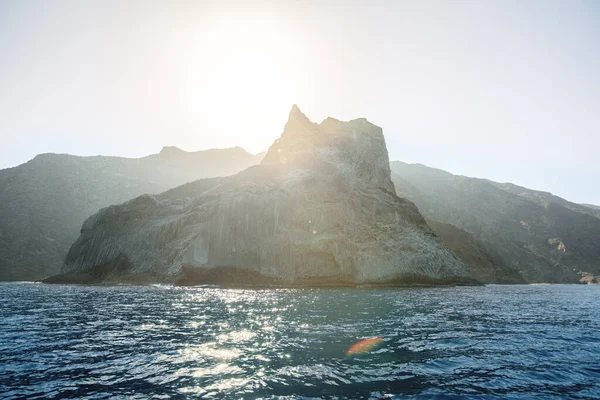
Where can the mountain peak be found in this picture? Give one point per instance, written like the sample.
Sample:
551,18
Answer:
171,151
295,110
297,116
354,148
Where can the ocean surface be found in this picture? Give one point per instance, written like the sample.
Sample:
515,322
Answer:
521,342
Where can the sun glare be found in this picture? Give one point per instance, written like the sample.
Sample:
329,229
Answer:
244,75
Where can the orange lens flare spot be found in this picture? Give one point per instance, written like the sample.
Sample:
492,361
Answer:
364,346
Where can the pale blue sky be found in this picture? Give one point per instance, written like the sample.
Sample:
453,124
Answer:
506,90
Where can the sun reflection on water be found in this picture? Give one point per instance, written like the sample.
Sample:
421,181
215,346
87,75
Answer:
218,343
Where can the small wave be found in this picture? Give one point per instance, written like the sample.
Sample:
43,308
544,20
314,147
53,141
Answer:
99,342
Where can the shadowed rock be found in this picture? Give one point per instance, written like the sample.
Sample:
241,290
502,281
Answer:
44,201
320,209
482,262
531,234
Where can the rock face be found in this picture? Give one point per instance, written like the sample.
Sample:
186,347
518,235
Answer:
320,209
541,236
589,279
482,262
44,201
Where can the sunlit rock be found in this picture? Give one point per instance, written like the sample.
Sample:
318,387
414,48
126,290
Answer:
320,209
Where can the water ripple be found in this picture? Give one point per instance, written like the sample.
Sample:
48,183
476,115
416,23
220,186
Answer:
166,342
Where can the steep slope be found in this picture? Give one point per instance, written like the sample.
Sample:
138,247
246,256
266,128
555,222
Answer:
320,209
545,198
44,201
545,242
592,206
481,261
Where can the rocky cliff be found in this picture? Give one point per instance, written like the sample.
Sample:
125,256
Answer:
44,202
320,209
541,236
482,262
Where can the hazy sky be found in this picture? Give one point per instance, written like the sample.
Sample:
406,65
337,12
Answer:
504,90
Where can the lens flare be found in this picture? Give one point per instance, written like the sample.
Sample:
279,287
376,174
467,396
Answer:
364,346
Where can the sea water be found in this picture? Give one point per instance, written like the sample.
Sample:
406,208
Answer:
172,342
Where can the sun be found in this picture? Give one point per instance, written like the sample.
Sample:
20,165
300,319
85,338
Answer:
243,77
